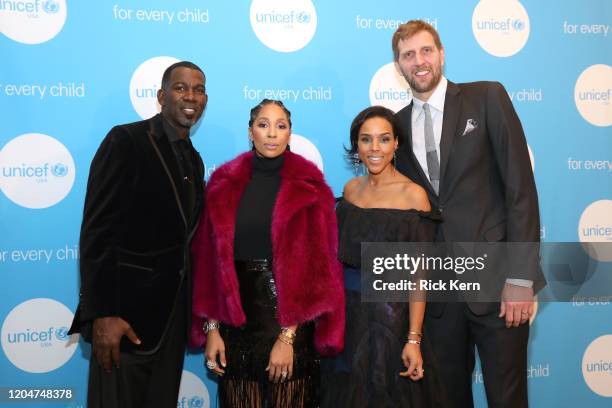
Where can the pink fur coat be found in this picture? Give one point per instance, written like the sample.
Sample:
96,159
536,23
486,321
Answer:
309,278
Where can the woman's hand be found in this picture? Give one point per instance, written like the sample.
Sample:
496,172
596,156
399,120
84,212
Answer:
215,346
280,366
413,361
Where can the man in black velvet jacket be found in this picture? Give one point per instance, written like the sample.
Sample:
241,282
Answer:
144,198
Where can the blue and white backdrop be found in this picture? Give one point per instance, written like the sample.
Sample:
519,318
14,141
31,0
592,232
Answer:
72,69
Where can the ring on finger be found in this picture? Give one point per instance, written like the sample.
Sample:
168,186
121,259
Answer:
284,374
211,364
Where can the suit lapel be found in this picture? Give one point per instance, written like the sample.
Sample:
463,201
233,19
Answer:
452,107
162,148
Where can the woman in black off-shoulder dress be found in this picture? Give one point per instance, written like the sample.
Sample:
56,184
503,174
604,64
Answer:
382,339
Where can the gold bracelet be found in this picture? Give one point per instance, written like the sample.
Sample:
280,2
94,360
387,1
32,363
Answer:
287,332
415,333
285,340
412,341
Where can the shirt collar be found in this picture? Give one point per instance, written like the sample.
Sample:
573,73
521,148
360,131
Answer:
436,100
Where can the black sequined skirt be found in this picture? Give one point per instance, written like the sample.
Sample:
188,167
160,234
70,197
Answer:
247,349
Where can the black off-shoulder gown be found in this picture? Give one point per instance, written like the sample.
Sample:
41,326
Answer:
366,374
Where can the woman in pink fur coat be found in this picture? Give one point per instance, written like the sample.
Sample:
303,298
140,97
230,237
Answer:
268,288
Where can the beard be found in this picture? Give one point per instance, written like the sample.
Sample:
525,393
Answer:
419,87
178,118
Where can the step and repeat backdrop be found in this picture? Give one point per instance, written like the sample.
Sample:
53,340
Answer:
73,69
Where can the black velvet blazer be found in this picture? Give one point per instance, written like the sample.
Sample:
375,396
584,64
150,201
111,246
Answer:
134,237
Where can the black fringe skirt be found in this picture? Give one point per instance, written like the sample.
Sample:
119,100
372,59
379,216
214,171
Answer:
247,349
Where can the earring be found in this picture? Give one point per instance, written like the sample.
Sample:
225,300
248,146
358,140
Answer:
394,160
356,163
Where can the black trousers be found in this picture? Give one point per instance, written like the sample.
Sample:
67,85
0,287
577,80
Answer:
456,334
143,380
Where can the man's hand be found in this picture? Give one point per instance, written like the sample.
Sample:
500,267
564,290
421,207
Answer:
516,304
107,333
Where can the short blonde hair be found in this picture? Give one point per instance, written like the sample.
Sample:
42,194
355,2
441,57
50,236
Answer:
409,29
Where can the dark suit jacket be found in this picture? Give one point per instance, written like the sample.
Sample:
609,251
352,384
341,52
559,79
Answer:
135,256
487,188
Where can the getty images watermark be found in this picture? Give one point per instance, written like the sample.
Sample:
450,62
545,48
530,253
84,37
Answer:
477,271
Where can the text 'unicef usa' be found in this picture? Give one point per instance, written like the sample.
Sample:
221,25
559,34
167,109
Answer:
41,91
184,16
44,255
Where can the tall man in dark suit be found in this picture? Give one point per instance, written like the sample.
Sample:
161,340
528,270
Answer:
144,198
466,147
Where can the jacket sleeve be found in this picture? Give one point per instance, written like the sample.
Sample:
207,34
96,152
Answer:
211,295
521,199
109,190
330,326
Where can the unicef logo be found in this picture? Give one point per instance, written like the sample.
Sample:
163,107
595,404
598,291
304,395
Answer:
518,25
32,21
595,230
389,89
41,337
593,94
303,18
192,392
501,28
36,171
283,25
196,402
597,366
59,170
51,6
145,82
35,335
62,333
